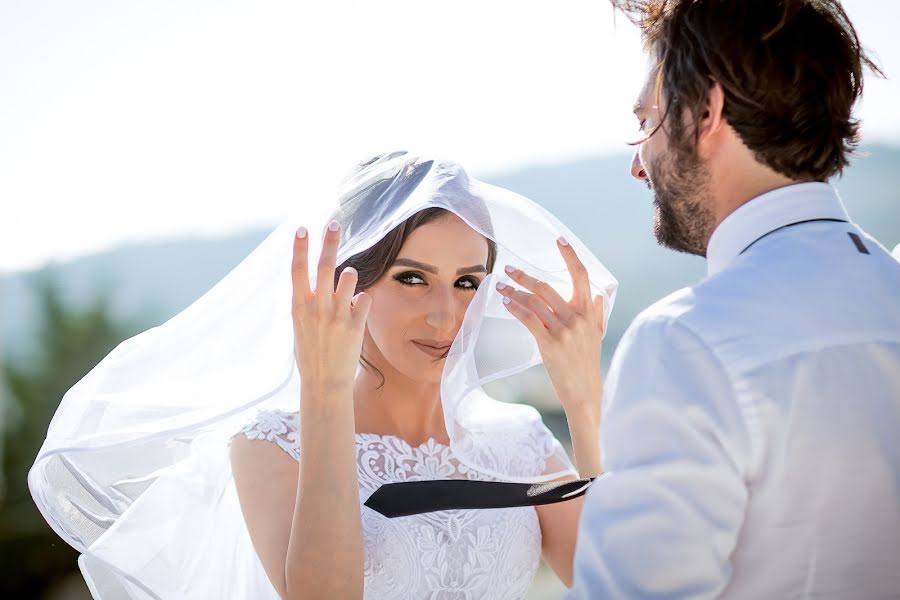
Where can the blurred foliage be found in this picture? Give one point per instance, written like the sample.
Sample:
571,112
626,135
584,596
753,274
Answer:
70,342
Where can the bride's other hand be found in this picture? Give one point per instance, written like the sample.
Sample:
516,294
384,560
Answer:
329,322
569,333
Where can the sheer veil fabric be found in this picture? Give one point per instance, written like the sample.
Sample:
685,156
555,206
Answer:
134,472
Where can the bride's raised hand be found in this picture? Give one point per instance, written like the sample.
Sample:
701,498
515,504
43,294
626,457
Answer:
569,333
329,321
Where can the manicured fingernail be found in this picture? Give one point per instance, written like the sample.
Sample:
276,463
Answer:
509,269
502,286
334,226
349,270
506,300
562,241
301,232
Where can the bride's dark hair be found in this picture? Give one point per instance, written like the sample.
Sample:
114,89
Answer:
371,264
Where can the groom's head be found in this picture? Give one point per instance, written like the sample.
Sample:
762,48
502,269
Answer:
741,96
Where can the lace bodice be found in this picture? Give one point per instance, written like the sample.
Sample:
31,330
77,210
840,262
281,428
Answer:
453,554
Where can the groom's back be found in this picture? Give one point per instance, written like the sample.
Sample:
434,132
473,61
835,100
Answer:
751,427
807,323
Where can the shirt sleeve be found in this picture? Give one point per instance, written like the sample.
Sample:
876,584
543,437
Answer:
663,519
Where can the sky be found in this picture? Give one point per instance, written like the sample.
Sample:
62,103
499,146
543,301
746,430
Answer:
123,121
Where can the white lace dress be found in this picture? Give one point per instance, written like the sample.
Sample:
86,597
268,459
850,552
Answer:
452,554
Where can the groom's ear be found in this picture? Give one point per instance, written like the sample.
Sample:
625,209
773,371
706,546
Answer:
712,124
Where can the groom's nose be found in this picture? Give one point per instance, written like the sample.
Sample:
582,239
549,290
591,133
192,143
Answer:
637,168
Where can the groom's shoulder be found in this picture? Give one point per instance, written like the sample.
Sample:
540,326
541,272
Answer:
704,315
753,310
669,309
658,323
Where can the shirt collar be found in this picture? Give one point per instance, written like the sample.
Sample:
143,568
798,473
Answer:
768,212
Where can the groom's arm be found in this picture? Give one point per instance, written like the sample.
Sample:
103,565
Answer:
664,518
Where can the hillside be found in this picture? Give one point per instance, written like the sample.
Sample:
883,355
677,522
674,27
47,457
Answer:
595,197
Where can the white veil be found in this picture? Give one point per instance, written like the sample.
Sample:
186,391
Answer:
135,473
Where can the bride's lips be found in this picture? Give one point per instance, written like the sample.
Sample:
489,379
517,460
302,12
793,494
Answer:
433,348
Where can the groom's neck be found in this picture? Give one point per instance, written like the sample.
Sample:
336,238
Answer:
737,178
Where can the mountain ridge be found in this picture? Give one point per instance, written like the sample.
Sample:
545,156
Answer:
595,197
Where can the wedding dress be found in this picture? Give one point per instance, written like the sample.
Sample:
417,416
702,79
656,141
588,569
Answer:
452,554
135,471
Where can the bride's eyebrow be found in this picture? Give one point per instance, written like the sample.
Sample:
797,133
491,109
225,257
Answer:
408,262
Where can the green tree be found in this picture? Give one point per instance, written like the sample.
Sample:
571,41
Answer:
70,342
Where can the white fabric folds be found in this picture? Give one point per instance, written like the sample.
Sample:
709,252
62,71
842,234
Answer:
135,473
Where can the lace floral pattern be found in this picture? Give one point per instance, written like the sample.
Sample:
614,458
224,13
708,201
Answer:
446,555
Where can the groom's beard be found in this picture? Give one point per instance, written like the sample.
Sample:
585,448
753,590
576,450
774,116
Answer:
684,218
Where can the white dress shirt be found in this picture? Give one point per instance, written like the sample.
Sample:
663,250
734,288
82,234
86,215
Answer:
751,430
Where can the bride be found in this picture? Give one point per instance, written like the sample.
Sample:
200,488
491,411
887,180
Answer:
384,385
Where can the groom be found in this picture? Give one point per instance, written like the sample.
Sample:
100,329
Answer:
751,434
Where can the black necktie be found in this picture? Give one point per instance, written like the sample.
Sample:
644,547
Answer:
416,497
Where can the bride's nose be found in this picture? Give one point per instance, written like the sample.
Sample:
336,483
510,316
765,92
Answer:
441,310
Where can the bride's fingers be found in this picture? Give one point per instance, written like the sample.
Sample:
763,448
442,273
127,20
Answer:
542,289
346,287
300,265
599,310
601,305
359,307
532,303
527,318
580,280
325,269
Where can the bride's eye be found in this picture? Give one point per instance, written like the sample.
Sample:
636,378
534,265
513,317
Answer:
410,279
469,283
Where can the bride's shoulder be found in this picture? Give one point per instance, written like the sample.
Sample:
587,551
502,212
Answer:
278,427
267,423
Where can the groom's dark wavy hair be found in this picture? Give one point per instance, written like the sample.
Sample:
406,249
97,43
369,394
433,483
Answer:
791,71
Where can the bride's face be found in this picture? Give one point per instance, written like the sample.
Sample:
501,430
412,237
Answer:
419,302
